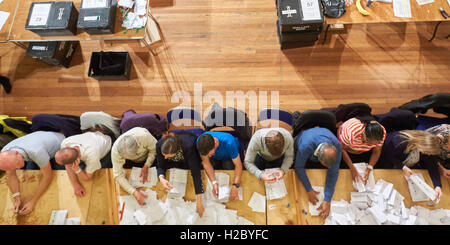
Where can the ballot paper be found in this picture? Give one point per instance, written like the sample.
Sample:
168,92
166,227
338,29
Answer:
417,185
422,2
310,9
402,8
87,4
140,7
133,21
58,217
1,1
277,189
178,179
126,3
136,179
3,18
39,14
313,208
73,221
359,185
257,202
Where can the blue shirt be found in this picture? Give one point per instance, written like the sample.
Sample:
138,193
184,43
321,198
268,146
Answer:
307,144
228,146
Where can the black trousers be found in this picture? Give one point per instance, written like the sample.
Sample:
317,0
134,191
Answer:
69,125
397,119
347,111
313,118
262,163
439,102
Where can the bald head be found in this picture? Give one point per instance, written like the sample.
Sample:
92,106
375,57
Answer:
11,160
327,154
66,156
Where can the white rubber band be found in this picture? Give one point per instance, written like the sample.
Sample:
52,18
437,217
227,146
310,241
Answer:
78,171
16,194
370,167
214,182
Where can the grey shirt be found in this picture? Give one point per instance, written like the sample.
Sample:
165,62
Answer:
257,146
38,147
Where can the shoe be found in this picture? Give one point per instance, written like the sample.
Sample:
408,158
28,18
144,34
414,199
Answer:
5,83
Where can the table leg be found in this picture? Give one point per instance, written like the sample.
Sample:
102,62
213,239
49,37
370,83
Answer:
435,30
325,35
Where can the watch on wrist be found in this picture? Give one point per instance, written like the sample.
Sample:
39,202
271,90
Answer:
237,185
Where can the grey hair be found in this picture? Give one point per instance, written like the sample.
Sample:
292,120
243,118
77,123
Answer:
127,145
327,153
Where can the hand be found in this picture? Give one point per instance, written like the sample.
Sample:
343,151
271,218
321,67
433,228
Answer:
166,183
17,203
200,209
312,196
140,197
324,209
407,171
438,193
76,165
355,175
445,172
79,190
269,178
366,175
28,207
215,190
144,173
234,193
279,174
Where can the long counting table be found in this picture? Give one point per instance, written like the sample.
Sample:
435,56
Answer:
100,205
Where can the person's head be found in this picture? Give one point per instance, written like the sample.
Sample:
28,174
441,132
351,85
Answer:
66,155
206,145
11,160
373,131
127,146
422,141
171,144
327,154
274,141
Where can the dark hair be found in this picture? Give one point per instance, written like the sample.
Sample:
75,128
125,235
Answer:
205,144
274,143
71,152
373,129
171,143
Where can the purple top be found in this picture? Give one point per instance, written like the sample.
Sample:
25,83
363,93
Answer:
154,123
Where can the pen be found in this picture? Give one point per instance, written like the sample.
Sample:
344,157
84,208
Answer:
123,208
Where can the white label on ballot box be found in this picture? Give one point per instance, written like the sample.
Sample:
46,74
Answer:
41,48
310,9
89,4
91,18
39,14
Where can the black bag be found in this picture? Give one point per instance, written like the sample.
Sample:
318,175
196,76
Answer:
333,8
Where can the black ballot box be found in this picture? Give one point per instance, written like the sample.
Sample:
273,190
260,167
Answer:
53,52
52,19
299,15
110,66
97,16
309,36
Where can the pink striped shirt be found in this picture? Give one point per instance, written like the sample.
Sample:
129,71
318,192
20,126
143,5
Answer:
350,134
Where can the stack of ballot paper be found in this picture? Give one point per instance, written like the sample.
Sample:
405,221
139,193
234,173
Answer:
223,180
277,189
59,217
419,190
175,212
383,205
126,3
313,208
257,202
359,185
178,179
136,180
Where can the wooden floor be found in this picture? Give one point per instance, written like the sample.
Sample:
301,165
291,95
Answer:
232,45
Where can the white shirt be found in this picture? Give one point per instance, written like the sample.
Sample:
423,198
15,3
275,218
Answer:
93,147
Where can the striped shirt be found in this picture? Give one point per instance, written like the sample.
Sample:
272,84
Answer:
350,134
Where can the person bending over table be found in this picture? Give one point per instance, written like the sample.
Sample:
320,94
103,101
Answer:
408,148
358,137
177,150
318,148
38,147
270,148
220,150
139,146
442,131
89,147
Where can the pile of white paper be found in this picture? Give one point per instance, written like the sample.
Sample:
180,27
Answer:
313,208
178,179
276,190
359,185
136,180
3,17
133,21
59,217
223,180
126,3
257,202
175,212
382,206
420,191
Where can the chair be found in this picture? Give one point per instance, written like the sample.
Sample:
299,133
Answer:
184,118
275,118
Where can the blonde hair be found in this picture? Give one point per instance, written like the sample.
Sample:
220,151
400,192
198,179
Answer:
422,141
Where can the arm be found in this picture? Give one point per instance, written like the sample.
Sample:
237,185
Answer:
332,176
14,186
375,156
431,164
249,160
237,170
208,168
150,145
119,173
300,160
47,176
288,156
193,162
161,163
